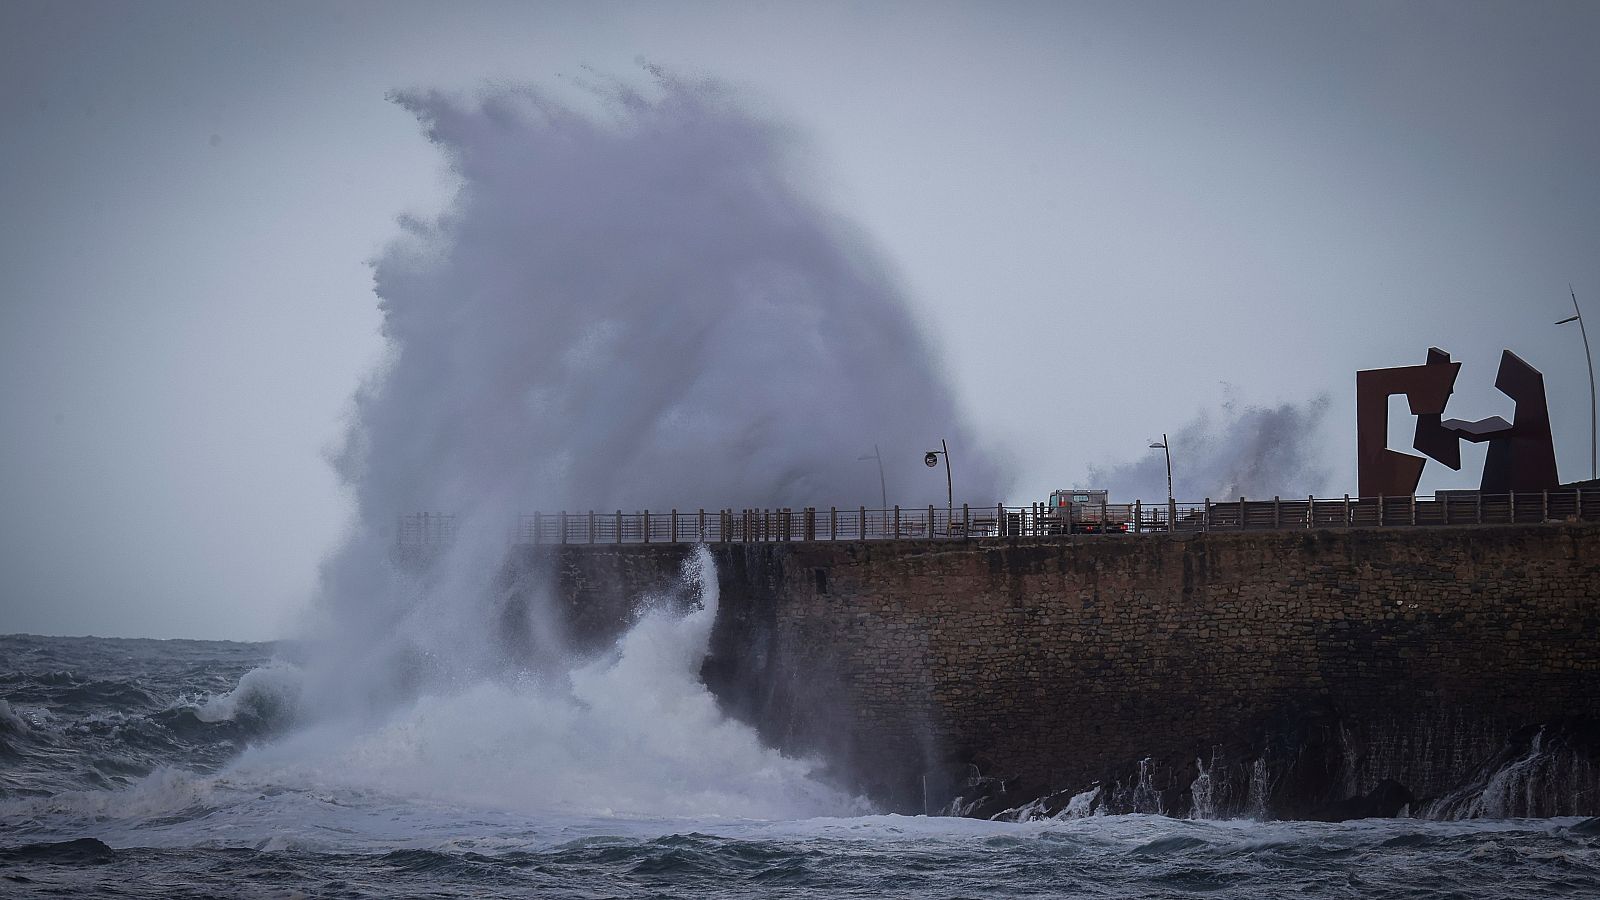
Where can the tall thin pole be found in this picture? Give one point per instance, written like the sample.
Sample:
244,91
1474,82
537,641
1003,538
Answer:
882,485
1168,448
1594,471
949,492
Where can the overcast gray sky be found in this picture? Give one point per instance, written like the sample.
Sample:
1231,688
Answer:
1185,195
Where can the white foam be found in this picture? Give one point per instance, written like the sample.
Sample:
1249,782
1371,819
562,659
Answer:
633,733
269,693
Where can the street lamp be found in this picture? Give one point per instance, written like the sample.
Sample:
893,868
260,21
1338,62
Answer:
884,490
931,459
1172,508
1589,358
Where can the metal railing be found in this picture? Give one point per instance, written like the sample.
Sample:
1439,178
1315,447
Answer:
1040,520
425,528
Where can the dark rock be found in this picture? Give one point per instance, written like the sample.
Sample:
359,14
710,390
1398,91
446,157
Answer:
1587,826
1383,802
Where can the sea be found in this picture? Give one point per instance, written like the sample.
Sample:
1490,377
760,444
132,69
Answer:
134,768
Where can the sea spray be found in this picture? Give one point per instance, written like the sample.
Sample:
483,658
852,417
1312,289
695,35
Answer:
632,301
1236,450
632,732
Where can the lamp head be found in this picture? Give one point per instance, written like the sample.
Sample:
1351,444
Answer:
930,459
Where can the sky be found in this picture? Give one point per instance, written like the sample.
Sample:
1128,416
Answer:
1110,219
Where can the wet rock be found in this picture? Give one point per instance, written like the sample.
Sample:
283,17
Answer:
1383,802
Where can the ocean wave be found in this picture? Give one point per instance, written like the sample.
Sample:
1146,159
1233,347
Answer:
268,697
10,722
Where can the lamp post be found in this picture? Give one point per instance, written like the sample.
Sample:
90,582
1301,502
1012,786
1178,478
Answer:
1172,510
931,459
1577,316
881,484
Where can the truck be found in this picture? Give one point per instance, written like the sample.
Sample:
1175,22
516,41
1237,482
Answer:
1085,512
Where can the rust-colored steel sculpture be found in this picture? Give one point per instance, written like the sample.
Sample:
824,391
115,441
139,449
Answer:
1522,453
1427,388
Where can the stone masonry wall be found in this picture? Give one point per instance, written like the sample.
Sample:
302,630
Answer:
1063,662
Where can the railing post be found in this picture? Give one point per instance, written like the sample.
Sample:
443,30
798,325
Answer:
861,524
645,522
999,520
1413,509
619,526
929,533
1138,509
1380,510
702,530
1241,513
1311,509
1277,511
1479,503
1205,516
897,521
591,526
1544,507
1347,510
1511,511
1446,506
966,522
833,523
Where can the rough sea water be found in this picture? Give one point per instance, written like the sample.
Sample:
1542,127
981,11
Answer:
135,768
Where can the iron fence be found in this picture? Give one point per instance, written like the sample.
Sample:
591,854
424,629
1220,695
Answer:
1039,520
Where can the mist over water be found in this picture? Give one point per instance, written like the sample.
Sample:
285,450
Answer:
635,305
632,302
1236,450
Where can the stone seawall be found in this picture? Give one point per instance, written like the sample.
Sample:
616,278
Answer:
1279,672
